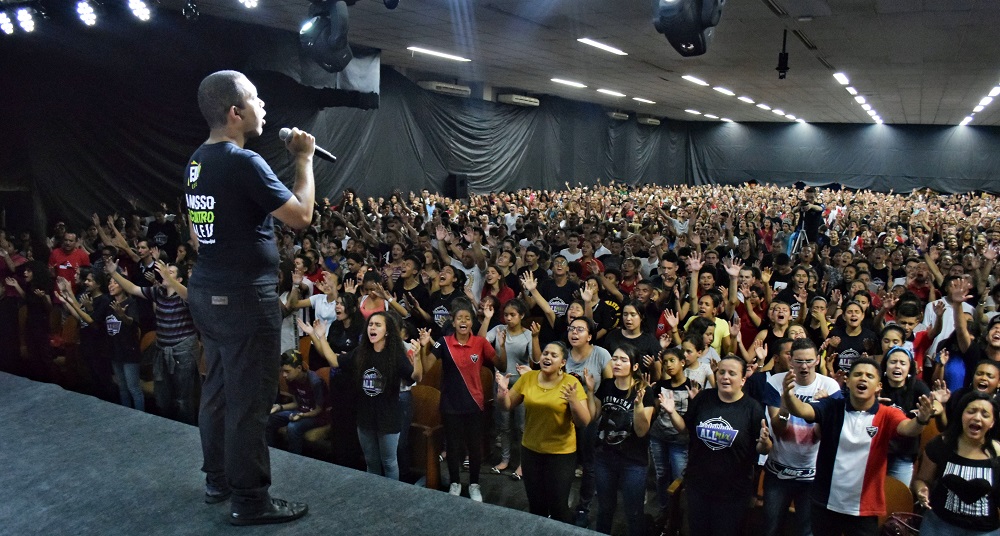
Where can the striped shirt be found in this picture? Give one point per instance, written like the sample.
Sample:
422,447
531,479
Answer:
173,319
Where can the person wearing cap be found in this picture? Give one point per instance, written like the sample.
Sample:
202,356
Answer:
307,408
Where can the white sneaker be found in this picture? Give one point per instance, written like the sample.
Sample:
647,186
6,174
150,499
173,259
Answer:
474,493
455,489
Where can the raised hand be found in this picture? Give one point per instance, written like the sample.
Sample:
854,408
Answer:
647,361
941,393
502,337
63,285
925,408
488,310
943,357
536,329
351,286
589,379
306,328
110,267
528,282
694,262
569,392
522,369
693,390
938,307
733,266
667,403
586,295
503,381
671,318
765,435
425,337
760,350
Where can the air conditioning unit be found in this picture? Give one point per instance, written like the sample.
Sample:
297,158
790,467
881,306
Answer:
651,121
454,90
618,115
517,100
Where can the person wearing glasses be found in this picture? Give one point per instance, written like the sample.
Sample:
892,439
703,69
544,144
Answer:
901,388
791,465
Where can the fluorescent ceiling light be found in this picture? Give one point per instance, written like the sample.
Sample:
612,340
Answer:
647,101
877,120
610,92
872,113
698,81
851,90
602,46
778,111
995,91
977,109
860,99
724,91
966,121
726,119
710,116
746,99
790,116
695,112
436,53
567,82
800,120
763,106
842,78
986,101
866,107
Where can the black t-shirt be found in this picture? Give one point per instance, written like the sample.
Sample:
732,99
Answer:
965,491
722,452
94,335
420,293
880,276
123,337
607,313
906,400
164,236
559,299
230,194
377,397
616,427
852,346
646,343
440,310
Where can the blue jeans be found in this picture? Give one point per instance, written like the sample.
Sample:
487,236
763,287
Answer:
295,431
934,526
669,461
614,472
403,450
175,378
129,386
778,496
901,469
380,452
503,418
241,332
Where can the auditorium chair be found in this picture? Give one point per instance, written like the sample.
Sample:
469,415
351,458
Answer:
305,343
675,509
898,498
426,434
432,376
146,341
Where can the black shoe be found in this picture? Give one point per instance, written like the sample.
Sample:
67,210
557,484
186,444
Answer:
216,498
280,511
581,520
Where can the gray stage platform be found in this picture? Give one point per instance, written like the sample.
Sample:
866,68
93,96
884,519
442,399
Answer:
71,464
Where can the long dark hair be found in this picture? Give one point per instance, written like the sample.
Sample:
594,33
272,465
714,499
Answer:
633,359
352,310
385,361
954,430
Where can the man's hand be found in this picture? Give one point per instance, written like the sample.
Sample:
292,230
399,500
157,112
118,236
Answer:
300,143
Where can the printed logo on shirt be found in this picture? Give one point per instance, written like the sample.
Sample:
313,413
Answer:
559,307
160,239
113,324
437,344
716,433
442,316
372,382
201,212
194,170
474,358
872,430
846,358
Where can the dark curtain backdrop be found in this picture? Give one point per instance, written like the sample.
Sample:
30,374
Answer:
98,120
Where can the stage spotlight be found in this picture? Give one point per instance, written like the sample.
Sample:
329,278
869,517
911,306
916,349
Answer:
249,4
324,36
688,25
86,12
782,67
139,9
190,11
6,25
391,4
25,19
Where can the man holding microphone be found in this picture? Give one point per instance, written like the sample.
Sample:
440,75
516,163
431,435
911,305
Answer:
232,197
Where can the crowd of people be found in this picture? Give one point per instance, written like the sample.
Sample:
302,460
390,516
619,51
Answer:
684,331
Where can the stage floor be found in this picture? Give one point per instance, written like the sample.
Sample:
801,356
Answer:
72,464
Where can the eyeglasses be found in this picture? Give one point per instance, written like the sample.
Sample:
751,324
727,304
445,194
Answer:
803,363
559,263
577,329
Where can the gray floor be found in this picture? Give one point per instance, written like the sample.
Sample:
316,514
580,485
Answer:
70,464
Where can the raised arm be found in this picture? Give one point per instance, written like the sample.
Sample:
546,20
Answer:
317,333
793,404
111,267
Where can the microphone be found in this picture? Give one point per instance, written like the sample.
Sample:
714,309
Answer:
286,133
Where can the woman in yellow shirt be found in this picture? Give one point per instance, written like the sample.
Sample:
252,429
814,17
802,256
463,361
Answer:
555,404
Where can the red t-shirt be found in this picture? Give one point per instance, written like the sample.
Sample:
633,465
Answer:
67,265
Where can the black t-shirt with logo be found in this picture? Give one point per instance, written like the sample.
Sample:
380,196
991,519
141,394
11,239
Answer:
722,451
852,346
230,194
377,399
616,428
559,299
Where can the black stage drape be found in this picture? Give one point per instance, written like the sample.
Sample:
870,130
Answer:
99,119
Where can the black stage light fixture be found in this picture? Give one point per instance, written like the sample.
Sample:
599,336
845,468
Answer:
688,25
190,11
782,67
324,35
391,4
